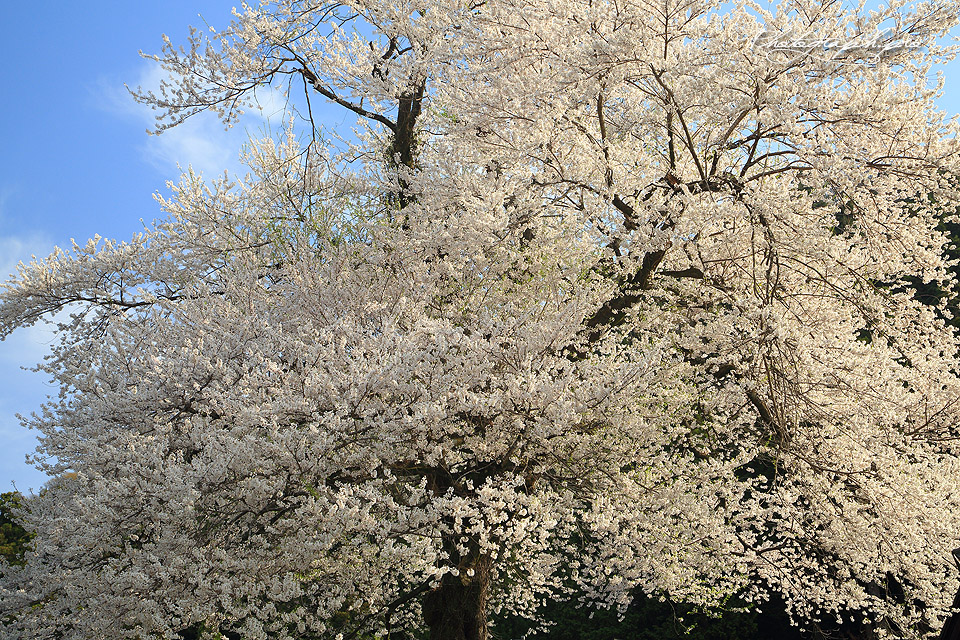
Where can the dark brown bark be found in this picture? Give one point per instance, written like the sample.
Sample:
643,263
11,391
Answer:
402,152
404,148
408,110
457,609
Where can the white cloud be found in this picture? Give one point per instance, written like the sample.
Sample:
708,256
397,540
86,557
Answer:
21,390
201,141
16,249
196,144
25,347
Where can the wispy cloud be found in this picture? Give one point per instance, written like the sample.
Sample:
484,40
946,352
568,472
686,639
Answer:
24,347
16,249
21,390
201,142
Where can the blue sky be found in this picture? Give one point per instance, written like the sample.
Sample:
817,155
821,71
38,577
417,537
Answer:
77,161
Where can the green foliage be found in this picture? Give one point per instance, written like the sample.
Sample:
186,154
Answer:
13,537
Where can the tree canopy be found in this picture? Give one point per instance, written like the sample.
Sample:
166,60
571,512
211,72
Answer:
605,297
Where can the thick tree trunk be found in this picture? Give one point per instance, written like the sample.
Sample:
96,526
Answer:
457,609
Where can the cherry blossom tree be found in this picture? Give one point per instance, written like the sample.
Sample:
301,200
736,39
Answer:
604,295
